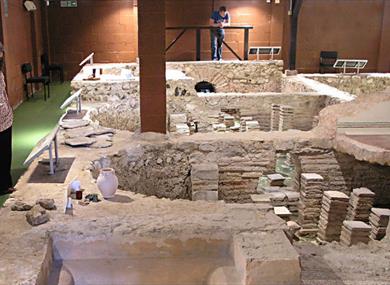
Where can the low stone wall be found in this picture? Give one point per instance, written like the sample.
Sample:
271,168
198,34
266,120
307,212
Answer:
243,77
354,84
290,84
124,114
110,91
164,170
205,107
233,76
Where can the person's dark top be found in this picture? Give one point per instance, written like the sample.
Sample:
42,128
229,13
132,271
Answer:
218,18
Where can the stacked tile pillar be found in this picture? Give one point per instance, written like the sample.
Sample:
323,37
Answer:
151,51
309,206
333,213
204,180
360,204
286,117
275,113
379,221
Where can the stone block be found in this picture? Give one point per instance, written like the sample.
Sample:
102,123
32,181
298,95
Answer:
21,206
177,119
182,129
37,216
265,258
336,195
312,176
204,171
282,212
356,225
205,196
363,192
288,72
47,204
261,198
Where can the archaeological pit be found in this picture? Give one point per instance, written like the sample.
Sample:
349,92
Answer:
143,142
243,92
208,204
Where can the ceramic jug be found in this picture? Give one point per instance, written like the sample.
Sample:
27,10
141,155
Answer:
107,182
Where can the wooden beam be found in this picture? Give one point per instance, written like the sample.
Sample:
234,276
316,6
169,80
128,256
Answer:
297,4
151,51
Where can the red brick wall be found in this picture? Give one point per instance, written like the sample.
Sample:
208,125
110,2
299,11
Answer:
106,27
17,38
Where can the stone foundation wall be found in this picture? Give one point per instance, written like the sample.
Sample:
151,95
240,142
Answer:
164,170
291,85
205,108
227,76
124,114
243,77
354,84
342,172
111,91
120,115
122,96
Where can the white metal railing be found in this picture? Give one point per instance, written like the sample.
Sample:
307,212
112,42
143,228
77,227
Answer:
74,97
88,58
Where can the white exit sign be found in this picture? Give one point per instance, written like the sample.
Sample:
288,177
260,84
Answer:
68,3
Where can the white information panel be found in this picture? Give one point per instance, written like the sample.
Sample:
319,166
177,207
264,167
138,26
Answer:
345,64
74,97
47,143
267,50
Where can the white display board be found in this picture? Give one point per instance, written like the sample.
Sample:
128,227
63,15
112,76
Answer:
47,143
345,64
267,50
74,97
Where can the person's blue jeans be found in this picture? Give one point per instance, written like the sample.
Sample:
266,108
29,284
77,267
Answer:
216,36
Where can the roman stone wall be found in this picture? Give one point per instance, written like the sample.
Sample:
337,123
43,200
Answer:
355,84
342,172
253,80
291,85
124,114
243,77
111,91
205,107
164,169
227,76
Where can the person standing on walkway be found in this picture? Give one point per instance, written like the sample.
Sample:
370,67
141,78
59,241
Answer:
219,19
6,120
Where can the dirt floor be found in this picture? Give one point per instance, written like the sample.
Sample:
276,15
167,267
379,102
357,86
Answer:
335,264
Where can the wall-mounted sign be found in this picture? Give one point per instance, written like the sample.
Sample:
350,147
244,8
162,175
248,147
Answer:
68,3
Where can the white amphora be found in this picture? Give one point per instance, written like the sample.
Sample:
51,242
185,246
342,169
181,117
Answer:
107,182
